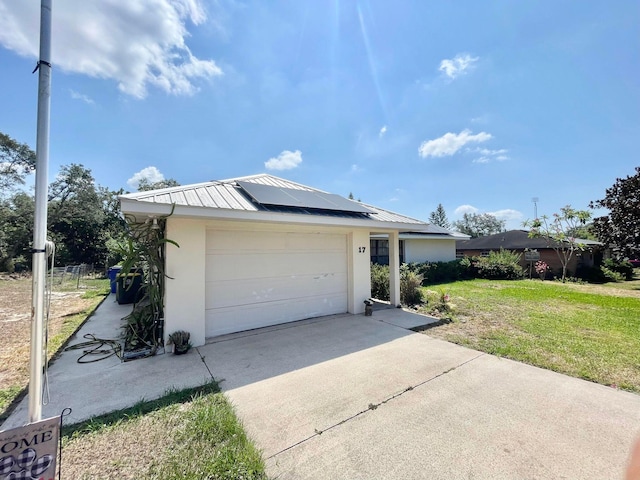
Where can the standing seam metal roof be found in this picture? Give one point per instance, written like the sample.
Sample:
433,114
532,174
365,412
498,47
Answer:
226,194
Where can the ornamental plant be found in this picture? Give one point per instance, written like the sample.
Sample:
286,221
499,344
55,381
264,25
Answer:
541,269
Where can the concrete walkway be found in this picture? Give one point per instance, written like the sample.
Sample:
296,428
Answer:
359,397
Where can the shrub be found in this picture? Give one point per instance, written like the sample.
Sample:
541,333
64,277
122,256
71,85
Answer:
380,282
591,274
440,272
622,267
502,265
410,283
611,275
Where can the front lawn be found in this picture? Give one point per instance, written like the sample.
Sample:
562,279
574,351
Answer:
189,434
590,332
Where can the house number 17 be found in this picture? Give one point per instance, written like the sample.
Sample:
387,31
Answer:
362,249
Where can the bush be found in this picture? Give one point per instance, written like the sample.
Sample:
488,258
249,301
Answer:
611,275
592,274
410,283
440,272
380,282
502,265
622,267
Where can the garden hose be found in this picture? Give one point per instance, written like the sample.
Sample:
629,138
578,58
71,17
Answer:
94,346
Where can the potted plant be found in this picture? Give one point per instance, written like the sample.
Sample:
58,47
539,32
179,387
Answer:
180,341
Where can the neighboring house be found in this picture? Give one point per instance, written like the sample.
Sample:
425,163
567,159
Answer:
260,250
434,244
519,241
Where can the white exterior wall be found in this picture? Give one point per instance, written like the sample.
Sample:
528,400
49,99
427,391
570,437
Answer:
429,250
358,256
185,291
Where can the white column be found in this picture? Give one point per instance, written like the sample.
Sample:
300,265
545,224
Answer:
185,291
394,268
359,258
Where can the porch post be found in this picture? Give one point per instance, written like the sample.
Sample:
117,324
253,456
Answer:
394,268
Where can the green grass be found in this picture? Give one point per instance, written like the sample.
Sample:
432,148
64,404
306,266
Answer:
7,396
200,437
578,330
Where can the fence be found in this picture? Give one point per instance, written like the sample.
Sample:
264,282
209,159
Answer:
71,274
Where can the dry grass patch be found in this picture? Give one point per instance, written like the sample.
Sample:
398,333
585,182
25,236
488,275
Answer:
69,308
123,451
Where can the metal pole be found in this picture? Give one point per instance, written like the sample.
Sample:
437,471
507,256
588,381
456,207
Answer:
40,221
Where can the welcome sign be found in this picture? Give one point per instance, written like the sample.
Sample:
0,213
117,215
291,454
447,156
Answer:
30,452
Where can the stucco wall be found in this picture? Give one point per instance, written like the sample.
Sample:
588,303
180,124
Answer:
185,290
429,250
359,270
185,293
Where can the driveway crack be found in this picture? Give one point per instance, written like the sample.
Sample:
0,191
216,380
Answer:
373,406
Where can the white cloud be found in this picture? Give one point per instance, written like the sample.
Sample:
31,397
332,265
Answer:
507,214
481,160
383,130
450,143
355,168
287,160
462,209
486,151
152,174
137,43
487,156
458,65
79,96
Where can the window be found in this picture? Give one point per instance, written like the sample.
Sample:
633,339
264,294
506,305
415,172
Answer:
380,251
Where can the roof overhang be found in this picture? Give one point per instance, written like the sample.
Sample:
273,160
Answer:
142,210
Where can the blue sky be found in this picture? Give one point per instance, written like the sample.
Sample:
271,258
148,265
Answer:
480,106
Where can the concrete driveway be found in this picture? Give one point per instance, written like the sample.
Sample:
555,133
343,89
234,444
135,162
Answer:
354,397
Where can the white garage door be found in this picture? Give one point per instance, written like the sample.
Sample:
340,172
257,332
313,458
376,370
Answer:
256,279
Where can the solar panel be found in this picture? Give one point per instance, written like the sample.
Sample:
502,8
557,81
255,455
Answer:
291,197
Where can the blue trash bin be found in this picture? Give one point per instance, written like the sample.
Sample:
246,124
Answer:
113,274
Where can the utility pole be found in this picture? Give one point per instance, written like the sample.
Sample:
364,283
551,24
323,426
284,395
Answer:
535,201
39,253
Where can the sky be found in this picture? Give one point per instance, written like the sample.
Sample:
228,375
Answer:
478,106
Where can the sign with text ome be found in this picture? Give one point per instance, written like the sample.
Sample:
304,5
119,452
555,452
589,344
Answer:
30,452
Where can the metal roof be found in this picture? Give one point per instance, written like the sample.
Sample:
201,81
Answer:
228,196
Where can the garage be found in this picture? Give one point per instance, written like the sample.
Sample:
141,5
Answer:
255,279
260,250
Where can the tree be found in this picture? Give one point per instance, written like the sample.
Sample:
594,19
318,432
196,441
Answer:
16,161
479,224
555,230
16,231
583,231
621,227
82,216
439,217
144,185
